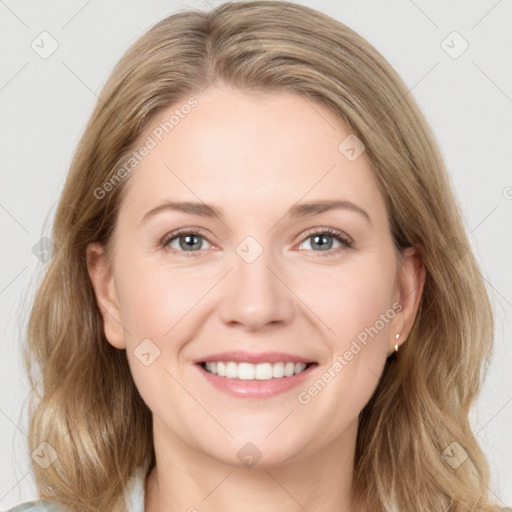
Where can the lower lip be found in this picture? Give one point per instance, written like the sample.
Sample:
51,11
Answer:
256,388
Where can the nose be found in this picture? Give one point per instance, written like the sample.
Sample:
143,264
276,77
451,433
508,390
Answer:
256,294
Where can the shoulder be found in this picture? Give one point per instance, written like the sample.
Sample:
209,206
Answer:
134,495
37,506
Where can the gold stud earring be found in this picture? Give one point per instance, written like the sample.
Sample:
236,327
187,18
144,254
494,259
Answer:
396,338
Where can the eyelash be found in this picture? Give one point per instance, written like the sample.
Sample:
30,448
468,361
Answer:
345,241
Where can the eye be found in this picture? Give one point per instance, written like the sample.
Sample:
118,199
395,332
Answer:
321,241
190,240
184,240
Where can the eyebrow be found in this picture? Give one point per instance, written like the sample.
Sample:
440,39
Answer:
297,210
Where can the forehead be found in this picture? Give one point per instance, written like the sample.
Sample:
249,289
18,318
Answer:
252,150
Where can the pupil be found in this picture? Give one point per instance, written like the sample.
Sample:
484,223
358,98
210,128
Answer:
323,245
188,245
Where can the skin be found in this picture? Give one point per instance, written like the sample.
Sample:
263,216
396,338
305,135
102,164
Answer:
254,156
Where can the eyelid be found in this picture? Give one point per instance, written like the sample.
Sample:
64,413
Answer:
183,231
329,231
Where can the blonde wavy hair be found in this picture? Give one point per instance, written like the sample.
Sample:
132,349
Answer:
84,402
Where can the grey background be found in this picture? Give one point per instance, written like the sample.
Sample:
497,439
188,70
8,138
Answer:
46,102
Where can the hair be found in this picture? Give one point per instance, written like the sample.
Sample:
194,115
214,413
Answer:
84,402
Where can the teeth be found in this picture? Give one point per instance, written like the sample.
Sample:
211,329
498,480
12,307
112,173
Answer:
248,371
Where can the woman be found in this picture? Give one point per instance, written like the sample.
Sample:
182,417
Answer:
262,296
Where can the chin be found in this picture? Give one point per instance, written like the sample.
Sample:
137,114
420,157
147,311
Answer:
258,453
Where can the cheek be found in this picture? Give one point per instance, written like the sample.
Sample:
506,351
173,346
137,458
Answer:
356,304
352,298
153,297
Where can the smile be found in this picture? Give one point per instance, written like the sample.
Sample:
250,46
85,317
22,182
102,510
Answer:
249,371
259,379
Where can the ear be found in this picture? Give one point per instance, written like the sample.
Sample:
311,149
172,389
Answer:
102,280
411,279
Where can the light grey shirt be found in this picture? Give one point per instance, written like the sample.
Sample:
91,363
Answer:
134,497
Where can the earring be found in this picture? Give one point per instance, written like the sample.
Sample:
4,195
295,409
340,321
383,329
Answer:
396,338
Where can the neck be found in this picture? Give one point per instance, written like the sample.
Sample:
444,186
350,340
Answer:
187,480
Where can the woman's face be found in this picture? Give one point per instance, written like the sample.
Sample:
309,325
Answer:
290,260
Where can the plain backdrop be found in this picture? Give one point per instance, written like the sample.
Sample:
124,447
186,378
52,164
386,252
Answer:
455,57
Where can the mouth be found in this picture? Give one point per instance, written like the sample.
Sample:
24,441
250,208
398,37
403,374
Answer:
255,372
245,375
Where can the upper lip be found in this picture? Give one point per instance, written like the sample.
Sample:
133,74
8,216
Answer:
240,356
